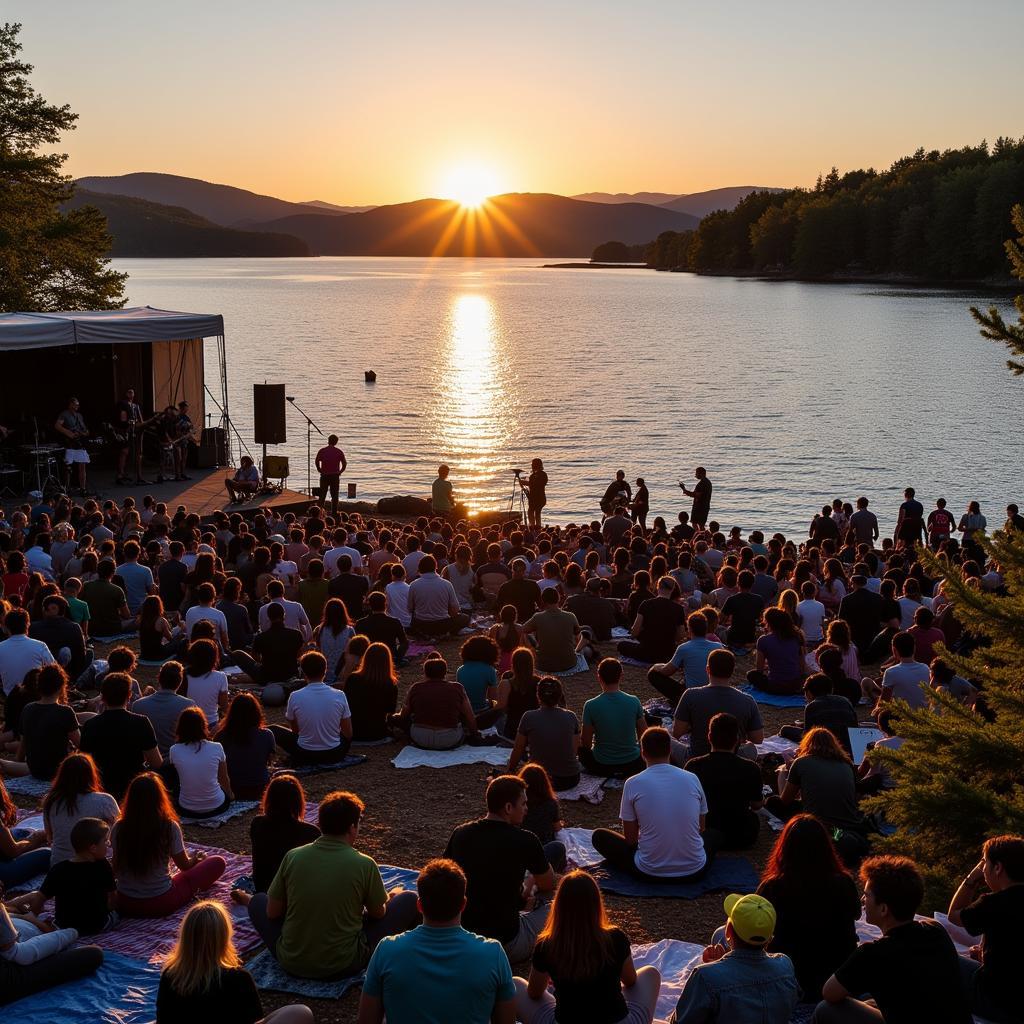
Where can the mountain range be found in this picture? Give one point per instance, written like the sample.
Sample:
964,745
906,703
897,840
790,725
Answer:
152,214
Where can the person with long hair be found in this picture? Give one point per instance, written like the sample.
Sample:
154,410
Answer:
248,746
816,902
543,813
204,682
144,839
23,852
551,733
201,764
517,690
508,634
780,653
203,977
332,635
49,728
589,962
372,692
76,793
157,641
823,781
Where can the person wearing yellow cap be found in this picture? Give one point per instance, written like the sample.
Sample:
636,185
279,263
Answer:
741,984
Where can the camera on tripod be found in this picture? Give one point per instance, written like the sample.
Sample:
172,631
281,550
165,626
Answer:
517,472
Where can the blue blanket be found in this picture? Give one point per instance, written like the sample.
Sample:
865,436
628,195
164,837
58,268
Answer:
773,700
122,991
315,769
726,874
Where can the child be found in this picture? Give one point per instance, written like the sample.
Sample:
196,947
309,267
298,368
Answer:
543,814
81,888
78,610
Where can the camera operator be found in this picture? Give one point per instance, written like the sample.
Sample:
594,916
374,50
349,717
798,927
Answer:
536,494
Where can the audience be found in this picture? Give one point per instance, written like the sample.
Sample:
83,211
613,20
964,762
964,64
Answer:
372,693
204,789
319,719
75,794
551,734
613,722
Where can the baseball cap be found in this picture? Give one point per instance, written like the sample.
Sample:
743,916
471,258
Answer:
752,918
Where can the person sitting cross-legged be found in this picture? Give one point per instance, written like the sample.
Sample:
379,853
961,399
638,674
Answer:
319,719
664,834
327,908
690,658
433,603
613,722
439,971
743,983
436,714
497,854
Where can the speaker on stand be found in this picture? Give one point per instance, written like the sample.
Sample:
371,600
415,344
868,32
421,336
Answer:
268,416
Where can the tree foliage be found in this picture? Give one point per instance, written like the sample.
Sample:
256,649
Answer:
992,323
49,259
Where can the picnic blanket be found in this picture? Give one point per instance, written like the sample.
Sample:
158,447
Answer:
116,638
589,789
580,666
418,649
579,850
726,874
674,960
235,809
620,633
773,700
27,785
659,707
122,991
626,660
315,769
777,745
414,757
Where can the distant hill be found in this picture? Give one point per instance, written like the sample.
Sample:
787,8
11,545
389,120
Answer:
221,204
142,228
654,198
320,204
700,204
516,224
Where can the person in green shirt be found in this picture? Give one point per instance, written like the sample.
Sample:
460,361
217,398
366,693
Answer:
327,908
613,723
442,499
78,610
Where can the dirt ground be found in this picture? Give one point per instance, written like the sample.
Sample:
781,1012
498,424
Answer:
411,812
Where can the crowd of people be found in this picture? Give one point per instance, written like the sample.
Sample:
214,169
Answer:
316,613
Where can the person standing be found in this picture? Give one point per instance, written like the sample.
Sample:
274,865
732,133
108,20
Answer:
129,429
442,498
641,504
330,464
910,523
618,492
71,425
864,523
940,524
701,495
536,493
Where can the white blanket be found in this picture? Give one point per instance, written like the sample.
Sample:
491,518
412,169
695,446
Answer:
777,745
674,959
579,850
580,666
590,789
414,757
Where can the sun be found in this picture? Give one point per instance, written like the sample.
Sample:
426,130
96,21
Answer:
470,184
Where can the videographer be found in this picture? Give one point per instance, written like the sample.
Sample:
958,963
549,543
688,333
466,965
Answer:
536,494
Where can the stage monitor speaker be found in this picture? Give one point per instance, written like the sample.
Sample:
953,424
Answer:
213,448
268,414
275,467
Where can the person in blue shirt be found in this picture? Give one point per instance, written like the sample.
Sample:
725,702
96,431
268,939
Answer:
439,972
690,657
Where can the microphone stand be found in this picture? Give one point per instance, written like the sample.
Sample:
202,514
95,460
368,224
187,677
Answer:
310,426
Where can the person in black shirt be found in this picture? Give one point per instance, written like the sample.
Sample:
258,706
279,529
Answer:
912,972
742,613
372,692
122,744
349,586
617,491
659,627
861,610
58,632
731,784
522,593
47,726
701,495
910,522
379,627
594,611
496,854
589,962
826,709
171,576
276,650
996,916
536,493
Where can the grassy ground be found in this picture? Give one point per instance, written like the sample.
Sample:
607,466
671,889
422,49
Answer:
410,814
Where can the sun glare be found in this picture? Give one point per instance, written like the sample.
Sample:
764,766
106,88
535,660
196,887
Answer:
469,184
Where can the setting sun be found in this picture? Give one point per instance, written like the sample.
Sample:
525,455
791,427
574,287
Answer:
470,184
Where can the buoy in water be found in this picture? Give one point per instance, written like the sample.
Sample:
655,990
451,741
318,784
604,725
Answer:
370,376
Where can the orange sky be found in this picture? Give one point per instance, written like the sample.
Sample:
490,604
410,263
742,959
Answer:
375,103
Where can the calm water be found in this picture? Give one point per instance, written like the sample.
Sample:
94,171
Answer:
790,394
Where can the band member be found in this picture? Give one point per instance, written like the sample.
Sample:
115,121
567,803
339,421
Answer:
245,481
167,435
71,425
536,492
128,429
182,441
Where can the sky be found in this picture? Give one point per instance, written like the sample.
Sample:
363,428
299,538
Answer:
371,103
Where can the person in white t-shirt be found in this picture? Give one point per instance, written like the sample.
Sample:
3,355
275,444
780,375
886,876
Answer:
206,594
811,614
341,547
295,616
204,683
319,718
202,767
908,679
19,653
397,593
663,816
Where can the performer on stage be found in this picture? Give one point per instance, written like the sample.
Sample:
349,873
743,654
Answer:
128,430
71,425
167,435
245,482
184,439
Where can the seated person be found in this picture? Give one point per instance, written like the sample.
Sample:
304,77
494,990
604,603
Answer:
326,908
23,852
122,743
731,784
436,714
49,728
945,679
201,766
911,973
144,839
479,678
729,982
460,975
690,658
613,723
249,747
349,586
279,827
664,812
109,614
245,482
496,854
593,611
372,692
557,633
908,678
521,592
163,707
699,704
780,656
379,627
275,651
830,663
659,627
319,719
992,967
826,709
742,613
433,604
62,635
551,734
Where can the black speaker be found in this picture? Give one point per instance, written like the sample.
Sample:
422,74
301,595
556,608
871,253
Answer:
268,424
213,448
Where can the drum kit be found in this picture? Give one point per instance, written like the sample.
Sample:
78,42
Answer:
39,462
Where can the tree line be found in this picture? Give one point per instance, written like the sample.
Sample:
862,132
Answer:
936,215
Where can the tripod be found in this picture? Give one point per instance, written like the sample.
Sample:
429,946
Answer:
517,488
310,426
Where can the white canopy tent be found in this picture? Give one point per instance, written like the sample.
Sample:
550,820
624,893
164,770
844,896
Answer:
104,327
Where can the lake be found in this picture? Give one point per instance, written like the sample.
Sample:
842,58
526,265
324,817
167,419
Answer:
790,394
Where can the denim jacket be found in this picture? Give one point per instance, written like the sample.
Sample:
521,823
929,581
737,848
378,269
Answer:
747,986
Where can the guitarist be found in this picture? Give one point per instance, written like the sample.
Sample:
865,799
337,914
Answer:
71,426
182,441
128,427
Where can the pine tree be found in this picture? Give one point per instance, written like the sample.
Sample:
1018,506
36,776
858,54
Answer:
992,324
49,259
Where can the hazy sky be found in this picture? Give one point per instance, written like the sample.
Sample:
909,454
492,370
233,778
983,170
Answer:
379,102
